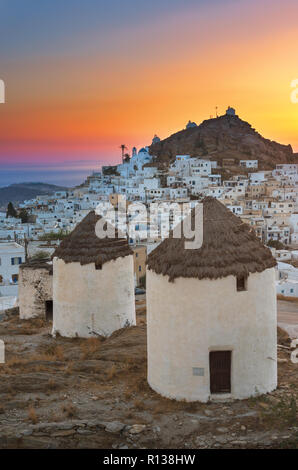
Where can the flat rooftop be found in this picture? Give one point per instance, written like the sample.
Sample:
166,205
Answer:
10,246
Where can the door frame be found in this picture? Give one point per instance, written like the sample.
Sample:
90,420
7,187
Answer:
221,349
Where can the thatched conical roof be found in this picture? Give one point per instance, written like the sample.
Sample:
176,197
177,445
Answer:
82,245
230,247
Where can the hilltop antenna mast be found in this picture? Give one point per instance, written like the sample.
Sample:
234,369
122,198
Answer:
216,108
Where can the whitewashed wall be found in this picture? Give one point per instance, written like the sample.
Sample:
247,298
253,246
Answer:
35,287
189,318
8,251
90,302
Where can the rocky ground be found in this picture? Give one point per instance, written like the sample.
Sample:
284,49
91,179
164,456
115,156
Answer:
92,393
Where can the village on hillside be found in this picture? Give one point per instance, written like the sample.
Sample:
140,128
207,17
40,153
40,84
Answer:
136,340
266,200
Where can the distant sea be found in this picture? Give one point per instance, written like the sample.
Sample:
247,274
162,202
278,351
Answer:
62,174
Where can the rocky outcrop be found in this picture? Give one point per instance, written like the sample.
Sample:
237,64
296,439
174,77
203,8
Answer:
224,137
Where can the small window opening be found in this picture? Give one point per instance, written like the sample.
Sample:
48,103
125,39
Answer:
241,283
49,310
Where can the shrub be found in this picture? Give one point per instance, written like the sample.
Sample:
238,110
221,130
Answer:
40,255
275,244
53,236
70,410
112,372
32,416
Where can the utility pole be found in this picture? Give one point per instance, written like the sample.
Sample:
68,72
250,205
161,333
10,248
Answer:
26,247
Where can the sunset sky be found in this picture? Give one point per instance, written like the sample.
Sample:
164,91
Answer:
84,76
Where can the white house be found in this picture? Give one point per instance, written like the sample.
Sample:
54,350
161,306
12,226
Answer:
294,227
258,177
11,256
286,271
290,170
211,313
236,209
287,287
136,163
282,255
249,163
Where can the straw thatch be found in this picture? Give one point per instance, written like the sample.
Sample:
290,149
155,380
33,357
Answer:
83,245
230,247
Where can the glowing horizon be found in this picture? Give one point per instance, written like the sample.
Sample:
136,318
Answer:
82,81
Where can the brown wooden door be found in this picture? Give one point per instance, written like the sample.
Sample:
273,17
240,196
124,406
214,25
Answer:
220,371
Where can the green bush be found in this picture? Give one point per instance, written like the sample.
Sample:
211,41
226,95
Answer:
53,236
42,254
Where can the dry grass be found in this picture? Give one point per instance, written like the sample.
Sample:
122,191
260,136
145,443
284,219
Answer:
69,368
55,417
127,394
166,405
129,364
15,361
12,392
52,385
89,347
32,416
190,407
69,409
28,327
40,368
282,412
129,415
112,372
139,405
288,299
283,337
55,352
